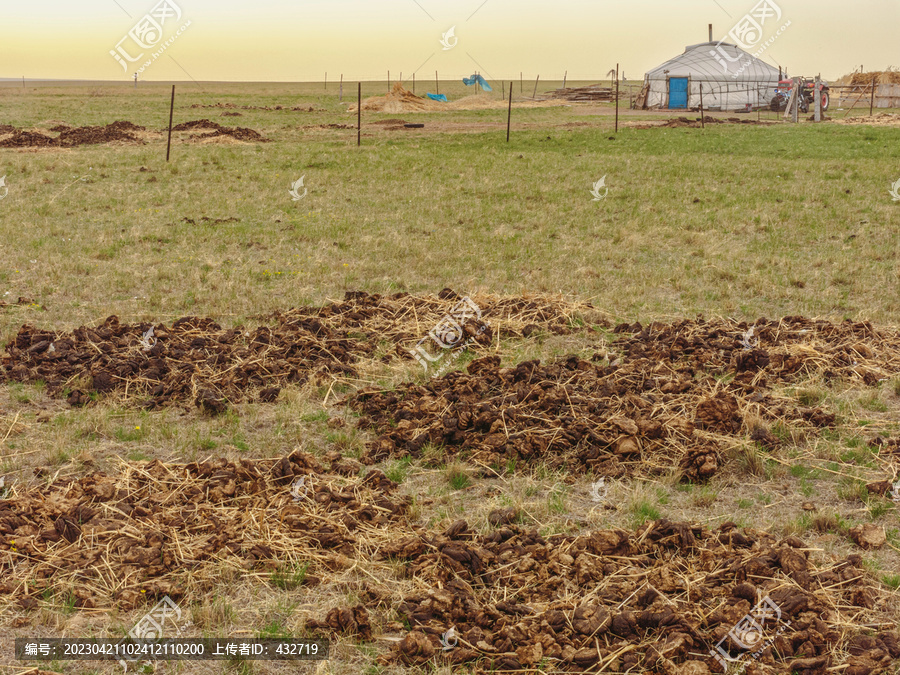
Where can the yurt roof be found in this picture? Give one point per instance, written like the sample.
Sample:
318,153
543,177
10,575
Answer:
698,62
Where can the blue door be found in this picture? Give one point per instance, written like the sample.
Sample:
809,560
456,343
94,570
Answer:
678,92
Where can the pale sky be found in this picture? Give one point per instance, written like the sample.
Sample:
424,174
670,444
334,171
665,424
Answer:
299,40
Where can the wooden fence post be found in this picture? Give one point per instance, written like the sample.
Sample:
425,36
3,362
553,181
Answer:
509,112
171,113
872,102
617,98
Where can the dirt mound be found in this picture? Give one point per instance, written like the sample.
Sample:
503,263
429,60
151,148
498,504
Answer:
665,398
252,514
7,129
669,598
197,360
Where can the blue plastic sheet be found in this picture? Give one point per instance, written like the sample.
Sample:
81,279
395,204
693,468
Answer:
469,81
436,97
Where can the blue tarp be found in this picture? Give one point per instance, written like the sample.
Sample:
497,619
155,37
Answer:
469,81
436,97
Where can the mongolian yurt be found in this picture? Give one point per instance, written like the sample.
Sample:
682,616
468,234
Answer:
730,77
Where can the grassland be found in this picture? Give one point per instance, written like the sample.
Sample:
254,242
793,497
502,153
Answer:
734,220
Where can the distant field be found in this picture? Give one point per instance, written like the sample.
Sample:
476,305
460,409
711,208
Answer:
738,221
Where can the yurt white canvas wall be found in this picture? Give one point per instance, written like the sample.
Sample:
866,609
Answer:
731,79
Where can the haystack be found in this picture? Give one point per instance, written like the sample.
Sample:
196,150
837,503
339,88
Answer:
399,100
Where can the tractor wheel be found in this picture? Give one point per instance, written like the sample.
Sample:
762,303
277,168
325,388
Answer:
825,101
804,105
777,104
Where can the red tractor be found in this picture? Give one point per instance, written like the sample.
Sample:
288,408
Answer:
807,95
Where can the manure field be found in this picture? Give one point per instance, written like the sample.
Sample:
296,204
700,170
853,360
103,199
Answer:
434,401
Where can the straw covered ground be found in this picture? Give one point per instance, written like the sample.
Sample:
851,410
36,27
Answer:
668,399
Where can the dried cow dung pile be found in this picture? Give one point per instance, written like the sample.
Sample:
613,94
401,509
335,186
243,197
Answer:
405,319
659,600
657,402
196,359
159,529
197,124
193,359
27,139
117,131
72,136
239,133
257,107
